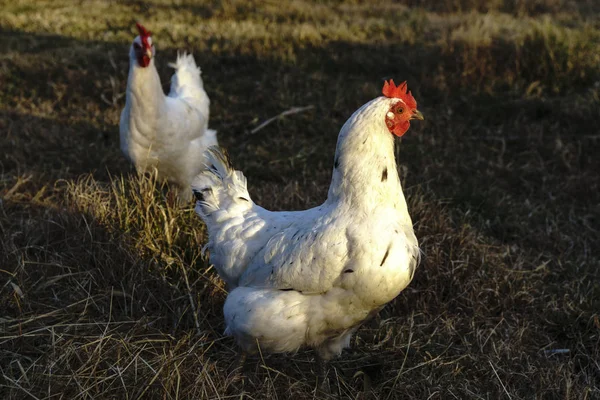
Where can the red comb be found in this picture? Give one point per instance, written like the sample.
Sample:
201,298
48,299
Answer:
399,92
144,34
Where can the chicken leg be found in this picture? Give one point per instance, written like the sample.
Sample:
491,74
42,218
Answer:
323,374
238,377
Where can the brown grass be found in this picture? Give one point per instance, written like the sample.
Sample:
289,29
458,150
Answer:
104,291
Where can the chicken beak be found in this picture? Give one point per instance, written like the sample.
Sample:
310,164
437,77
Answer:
417,115
149,53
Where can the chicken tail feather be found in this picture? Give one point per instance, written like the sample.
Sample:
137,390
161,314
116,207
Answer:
186,76
220,188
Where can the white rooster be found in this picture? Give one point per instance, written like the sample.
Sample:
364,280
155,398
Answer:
311,278
169,133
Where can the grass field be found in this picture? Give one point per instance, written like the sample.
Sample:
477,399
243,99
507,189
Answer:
104,293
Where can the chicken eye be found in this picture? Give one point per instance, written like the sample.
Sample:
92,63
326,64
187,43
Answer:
137,46
399,110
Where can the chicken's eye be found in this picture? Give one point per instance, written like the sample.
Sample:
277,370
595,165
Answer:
399,110
137,46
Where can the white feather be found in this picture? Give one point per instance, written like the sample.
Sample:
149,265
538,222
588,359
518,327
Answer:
310,278
169,133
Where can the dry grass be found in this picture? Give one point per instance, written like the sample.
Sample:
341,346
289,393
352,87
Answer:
105,293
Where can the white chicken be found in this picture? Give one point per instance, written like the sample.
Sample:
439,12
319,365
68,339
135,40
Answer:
311,278
169,133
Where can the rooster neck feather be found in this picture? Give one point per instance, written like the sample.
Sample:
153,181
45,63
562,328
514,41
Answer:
144,81
365,173
144,91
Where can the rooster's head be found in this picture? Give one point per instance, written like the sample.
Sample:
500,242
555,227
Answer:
142,46
403,110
